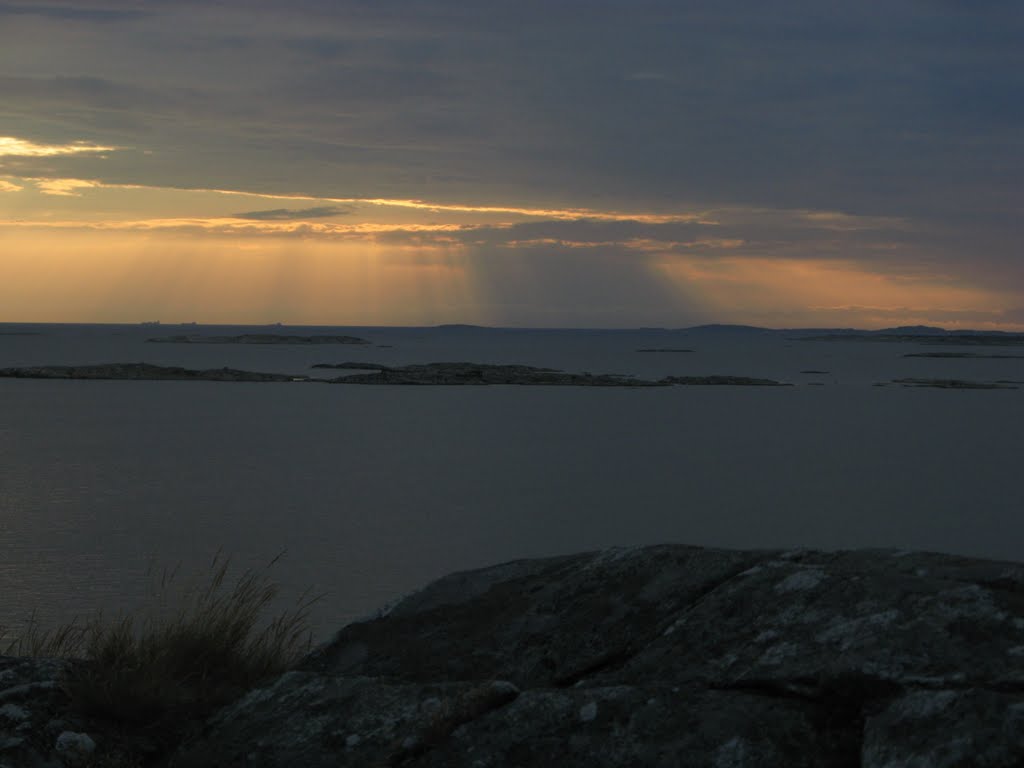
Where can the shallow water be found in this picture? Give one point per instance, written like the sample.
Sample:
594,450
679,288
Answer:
374,490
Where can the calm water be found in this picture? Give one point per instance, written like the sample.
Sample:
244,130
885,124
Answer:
374,490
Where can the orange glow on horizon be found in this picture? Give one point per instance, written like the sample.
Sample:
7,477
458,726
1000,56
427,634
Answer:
829,293
129,277
79,250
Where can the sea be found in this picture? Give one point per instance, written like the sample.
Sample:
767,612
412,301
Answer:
365,493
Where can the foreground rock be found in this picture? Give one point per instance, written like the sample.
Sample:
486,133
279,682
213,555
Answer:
661,656
33,711
40,726
258,338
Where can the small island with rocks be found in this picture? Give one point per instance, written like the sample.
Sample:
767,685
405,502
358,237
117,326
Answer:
480,373
964,356
435,374
954,383
477,374
719,381
665,350
142,372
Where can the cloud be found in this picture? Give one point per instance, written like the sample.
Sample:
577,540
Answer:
748,107
909,158
7,186
11,146
757,233
291,214
425,235
72,13
64,187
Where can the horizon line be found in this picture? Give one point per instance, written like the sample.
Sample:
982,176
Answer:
737,327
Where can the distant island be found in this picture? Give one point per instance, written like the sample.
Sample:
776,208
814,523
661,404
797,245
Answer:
714,381
257,338
953,339
477,374
954,383
141,371
964,355
480,373
429,374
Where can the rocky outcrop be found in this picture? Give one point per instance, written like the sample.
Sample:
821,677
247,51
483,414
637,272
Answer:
38,727
31,711
964,356
448,374
478,374
954,383
141,371
41,726
258,338
729,381
660,656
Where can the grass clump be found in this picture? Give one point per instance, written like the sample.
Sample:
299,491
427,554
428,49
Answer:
200,646
63,642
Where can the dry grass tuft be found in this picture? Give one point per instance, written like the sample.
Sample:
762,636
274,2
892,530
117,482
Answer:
63,642
200,645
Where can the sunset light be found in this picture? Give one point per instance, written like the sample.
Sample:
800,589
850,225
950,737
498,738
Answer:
375,158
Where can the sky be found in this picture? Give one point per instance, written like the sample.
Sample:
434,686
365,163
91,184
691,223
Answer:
543,163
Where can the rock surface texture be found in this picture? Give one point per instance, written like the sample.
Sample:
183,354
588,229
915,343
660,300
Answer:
660,656
38,727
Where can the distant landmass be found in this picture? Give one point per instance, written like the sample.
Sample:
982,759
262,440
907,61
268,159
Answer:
477,374
958,338
140,371
964,356
955,383
725,328
896,333
257,338
664,349
429,374
318,331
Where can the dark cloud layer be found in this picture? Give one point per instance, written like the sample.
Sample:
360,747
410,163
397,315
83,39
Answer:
792,104
77,12
293,214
